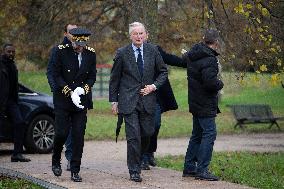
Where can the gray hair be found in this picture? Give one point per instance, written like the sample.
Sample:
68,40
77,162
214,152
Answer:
135,24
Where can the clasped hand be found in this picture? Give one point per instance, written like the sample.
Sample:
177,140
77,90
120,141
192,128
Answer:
147,90
75,96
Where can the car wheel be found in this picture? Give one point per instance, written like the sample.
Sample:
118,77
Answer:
40,134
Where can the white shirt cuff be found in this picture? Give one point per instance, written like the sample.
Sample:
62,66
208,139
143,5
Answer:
154,86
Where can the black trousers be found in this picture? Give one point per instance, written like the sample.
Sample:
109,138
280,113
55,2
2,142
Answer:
153,139
138,125
62,127
19,127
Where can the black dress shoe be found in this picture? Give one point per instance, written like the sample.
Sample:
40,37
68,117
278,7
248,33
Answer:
206,176
135,177
20,158
152,161
76,177
56,169
145,165
187,173
68,166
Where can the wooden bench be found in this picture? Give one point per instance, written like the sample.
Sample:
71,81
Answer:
254,113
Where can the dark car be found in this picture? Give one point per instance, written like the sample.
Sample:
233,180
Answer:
38,113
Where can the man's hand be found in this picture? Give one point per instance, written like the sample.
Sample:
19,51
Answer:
79,91
76,100
114,107
147,89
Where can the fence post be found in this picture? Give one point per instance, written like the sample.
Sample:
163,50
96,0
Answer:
100,89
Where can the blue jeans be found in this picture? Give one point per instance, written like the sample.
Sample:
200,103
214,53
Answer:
68,146
200,146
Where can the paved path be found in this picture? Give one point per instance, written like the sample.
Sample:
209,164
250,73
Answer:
104,163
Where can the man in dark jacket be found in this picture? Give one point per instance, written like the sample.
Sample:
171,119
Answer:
165,101
203,86
53,87
9,100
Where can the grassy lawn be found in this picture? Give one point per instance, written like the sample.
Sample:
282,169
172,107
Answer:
260,170
8,183
101,123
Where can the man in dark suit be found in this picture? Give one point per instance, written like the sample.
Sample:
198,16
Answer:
137,72
74,74
165,102
50,67
10,98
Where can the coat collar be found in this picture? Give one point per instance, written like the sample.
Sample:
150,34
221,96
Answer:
83,63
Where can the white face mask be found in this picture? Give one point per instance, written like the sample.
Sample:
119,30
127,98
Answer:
74,44
77,48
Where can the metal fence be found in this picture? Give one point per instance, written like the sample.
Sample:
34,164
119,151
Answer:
100,89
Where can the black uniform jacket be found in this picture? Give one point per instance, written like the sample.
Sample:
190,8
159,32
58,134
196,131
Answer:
50,65
68,76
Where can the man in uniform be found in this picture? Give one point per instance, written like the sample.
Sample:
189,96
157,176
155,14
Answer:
50,67
74,74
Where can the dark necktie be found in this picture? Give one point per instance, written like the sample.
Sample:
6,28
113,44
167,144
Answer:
140,62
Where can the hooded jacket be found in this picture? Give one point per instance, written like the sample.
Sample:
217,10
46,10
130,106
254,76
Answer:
203,84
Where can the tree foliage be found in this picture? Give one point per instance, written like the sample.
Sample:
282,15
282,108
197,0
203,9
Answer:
251,30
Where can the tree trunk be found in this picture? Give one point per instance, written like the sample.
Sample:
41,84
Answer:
146,12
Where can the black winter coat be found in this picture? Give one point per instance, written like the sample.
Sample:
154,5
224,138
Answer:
4,83
67,73
165,95
203,85
10,80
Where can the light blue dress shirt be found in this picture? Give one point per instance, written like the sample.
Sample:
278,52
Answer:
136,52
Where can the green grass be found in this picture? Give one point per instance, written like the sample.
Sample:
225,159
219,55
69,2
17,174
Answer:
101,123
9,183
260,170
35,80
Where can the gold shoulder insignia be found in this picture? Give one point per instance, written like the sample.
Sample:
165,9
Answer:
90,49
63,46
